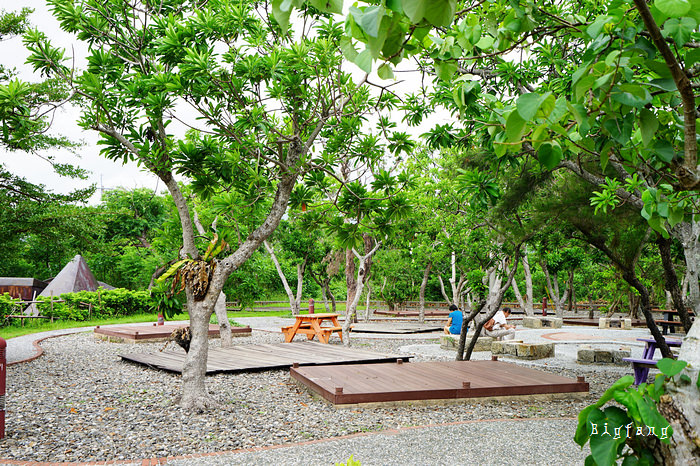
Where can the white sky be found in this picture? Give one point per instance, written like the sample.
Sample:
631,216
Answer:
103,172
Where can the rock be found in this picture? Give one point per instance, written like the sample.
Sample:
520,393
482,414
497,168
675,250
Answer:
603,356
585,354
532,322
483,344
449,342
618,354
542,322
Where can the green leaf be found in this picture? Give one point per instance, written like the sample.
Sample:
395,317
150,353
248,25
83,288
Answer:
621,384
670,367
582,434
348,49
369,19
604,446
437,12
364,60
631,94
692,57
664,151
659,384
673,8
529,104
648,124
328,6
680,29
675,216
280,14
385,72
445,69
514,127
549,155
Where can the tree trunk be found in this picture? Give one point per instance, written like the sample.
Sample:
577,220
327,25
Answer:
350,280
681,407
301,268
222,318
529,295
195,396
494,307
671,280
443,292
367,309
421,294
351,310
293,304
689,235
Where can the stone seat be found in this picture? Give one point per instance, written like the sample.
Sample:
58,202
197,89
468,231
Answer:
450,342
522,350
542,322
586,354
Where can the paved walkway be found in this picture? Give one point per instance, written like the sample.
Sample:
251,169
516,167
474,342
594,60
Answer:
494,442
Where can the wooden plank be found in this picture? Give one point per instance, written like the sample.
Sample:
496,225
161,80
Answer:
239,358
362,383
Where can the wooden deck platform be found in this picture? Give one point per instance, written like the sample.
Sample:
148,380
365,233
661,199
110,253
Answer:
448,380
395,327
240,358
153,332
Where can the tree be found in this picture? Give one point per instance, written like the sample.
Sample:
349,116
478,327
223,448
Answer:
303,248
261,97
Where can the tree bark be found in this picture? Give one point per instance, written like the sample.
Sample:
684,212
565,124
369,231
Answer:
671,279
687,172
421,294
195,396
222,318
294,305
351,311
681,407
688,233
350,280
494,307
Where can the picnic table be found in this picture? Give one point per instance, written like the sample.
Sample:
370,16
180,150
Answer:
669,323
641,366
312,326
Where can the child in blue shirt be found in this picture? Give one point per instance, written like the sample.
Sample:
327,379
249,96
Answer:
454,323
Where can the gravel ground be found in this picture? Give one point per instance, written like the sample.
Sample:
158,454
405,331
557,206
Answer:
80,402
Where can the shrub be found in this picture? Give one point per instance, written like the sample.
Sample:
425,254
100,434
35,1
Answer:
86,305
9,305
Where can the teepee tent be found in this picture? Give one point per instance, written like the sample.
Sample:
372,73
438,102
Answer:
75,276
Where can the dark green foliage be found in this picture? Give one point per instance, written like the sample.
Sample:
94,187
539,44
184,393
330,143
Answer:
623,425
86,305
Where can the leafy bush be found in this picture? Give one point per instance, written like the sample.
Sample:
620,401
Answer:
9,305
86,305
612,429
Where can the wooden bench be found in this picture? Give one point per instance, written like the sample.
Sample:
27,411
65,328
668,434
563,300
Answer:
641,368
668,324
310,332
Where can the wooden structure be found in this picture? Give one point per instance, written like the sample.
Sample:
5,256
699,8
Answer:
241,358
448,380
312,325
23,288
669,323
641,366
75,276
153,332
395,327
